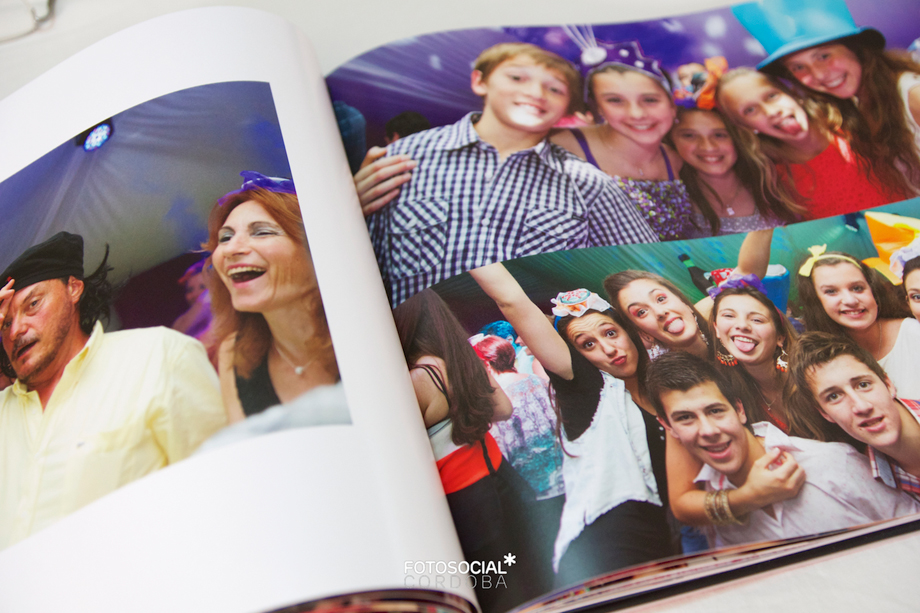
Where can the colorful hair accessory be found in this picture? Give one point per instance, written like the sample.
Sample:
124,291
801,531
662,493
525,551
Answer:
253,180
817,253
577,302
704,98
902,256
596,55
752,281
720,275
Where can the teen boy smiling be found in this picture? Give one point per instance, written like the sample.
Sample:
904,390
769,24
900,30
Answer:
847,386
491,188
698,406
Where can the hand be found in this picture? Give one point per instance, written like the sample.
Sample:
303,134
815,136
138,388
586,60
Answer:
774,477
380,177
6,295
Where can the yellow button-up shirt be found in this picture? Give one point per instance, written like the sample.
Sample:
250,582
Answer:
128,404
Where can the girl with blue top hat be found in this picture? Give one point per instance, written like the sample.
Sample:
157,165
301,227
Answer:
876,90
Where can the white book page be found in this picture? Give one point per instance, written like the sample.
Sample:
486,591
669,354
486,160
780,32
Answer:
287,517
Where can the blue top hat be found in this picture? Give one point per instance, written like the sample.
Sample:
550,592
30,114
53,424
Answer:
787,26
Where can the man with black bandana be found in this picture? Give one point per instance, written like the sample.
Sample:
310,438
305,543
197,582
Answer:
89,411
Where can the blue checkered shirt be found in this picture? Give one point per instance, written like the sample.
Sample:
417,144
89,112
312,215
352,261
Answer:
464,208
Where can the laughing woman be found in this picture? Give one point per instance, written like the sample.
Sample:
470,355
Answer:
265,299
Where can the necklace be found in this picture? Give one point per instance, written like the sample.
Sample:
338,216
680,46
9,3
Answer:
617,153
726,202
298,370
728,207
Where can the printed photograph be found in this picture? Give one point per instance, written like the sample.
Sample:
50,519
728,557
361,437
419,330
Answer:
158,300
596,410
479,146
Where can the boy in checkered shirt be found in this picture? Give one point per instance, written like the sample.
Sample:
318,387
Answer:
491,187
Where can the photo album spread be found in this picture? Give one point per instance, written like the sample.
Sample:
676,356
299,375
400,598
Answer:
551,318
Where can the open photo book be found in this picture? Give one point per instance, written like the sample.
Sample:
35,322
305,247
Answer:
561,317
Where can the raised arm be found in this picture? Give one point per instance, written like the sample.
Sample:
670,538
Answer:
6,296
754,254
526,317
753,258
380,177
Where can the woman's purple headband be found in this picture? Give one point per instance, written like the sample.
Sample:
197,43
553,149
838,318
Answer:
253,180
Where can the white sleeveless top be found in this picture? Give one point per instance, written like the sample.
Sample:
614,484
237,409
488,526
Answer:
901,362
611,465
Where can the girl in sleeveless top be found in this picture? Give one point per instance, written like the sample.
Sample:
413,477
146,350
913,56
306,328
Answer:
633,97
488,500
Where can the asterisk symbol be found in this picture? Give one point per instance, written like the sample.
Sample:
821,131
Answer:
510,559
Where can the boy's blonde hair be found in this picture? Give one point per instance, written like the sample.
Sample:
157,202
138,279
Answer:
489,60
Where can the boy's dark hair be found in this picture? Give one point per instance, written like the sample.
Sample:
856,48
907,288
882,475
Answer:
814,349
406,123
95,305
679,371
489,60
818,348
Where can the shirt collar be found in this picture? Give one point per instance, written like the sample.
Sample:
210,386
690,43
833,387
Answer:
882,466
75,366
463,134
772,437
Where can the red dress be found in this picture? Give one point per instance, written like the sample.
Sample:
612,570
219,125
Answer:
833,183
